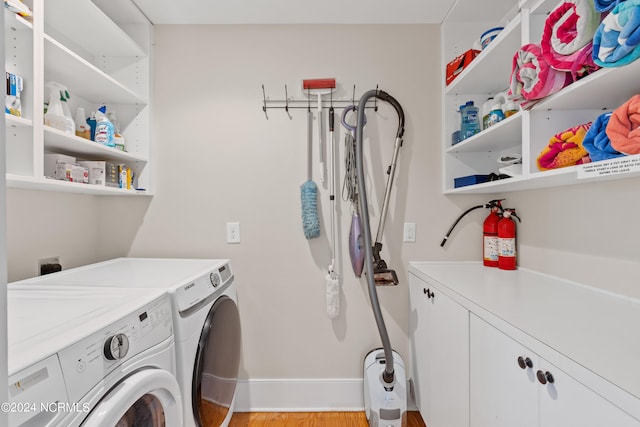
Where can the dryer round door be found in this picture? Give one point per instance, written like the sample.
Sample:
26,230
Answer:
148,398
215,373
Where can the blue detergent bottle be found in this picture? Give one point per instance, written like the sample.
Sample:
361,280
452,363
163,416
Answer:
470,120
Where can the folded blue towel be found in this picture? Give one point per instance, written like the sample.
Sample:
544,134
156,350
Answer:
605,5
596,141
617,39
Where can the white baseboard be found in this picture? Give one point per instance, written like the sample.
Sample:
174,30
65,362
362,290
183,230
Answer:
301,395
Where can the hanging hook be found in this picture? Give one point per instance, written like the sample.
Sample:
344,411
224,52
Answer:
353,96
264,103
286,100
375,101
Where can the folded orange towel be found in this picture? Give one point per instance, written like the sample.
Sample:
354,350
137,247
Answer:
623,128
565,149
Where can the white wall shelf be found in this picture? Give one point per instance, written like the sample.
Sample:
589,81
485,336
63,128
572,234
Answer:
99,51
528,132
47,184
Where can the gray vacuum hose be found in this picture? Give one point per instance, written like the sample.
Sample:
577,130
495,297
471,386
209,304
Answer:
388,375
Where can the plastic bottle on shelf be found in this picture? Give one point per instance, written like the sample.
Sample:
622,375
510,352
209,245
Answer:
91,122
470,120
509,108
495,115
104,128
54,116
486,108
82,128
118,139
71,125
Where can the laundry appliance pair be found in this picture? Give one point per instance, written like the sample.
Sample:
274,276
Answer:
203,316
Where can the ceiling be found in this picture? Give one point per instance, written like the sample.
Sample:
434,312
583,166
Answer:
295,11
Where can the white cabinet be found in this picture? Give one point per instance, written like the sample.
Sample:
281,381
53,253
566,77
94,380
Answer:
527,132
439,330
506,388
482,339
100,51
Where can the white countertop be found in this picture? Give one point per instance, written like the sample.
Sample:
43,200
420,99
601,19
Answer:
598,330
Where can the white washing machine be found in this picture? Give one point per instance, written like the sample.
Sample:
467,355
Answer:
205,317
91,357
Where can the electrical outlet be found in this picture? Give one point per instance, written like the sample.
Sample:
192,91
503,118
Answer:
233,232
409,232
49,265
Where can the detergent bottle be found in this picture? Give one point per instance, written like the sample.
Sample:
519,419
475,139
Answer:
470,120
104,128
54,116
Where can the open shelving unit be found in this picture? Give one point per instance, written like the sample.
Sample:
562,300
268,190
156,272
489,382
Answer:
527,132
103,59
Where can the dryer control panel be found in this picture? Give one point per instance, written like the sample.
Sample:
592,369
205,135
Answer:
90,360
201,290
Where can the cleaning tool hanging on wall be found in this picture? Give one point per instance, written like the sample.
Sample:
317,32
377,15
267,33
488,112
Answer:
309,190
320,87
332,280
350,193
385,396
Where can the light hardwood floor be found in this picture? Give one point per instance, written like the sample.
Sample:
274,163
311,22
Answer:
310,419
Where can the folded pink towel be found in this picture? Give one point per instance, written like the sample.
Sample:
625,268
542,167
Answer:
532,77
567,40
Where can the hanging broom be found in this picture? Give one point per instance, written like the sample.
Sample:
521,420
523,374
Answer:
309,190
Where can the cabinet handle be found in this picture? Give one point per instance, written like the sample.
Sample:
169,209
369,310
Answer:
525,362
544,377
428,293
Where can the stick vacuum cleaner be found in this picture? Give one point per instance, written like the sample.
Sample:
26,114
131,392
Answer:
385,393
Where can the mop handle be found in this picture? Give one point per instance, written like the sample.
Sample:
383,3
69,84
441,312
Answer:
309,144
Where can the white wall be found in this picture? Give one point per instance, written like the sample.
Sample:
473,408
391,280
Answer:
220,160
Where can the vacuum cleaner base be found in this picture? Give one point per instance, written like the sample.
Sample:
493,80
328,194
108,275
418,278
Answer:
384,408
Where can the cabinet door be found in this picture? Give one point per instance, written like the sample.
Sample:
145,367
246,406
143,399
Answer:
441,348
502,394
568,403
418,337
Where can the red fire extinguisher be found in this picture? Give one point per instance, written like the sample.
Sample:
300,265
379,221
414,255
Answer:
507,240
490,236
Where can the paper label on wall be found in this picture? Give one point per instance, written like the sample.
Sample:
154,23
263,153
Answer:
620,165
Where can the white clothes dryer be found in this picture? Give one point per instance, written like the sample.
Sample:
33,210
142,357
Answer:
91,357
205,317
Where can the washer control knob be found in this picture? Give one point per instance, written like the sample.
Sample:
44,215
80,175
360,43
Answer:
116,347
215,279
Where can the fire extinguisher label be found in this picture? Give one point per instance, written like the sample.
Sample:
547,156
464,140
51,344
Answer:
490,248
507,247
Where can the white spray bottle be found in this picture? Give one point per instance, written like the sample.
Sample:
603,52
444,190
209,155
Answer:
55,113
71,124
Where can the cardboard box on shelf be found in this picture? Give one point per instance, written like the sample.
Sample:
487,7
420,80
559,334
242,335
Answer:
455,67
12,104
102,172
